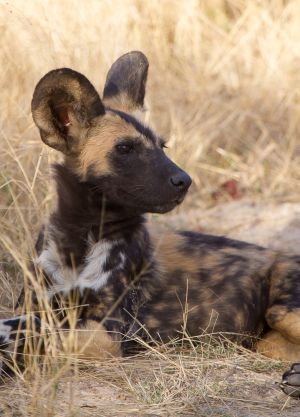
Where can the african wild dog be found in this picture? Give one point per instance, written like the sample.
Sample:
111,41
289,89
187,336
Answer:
98,250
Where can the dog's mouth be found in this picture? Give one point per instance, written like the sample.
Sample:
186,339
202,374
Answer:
150,206
164,208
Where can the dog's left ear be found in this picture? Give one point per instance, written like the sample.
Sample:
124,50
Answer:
63,106
126,82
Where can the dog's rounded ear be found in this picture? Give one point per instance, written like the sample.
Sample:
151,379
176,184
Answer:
126,82
63,105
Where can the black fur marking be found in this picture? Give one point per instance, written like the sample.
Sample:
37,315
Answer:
17,331
197,240
18,323
286,292
142,129
83,209
3,342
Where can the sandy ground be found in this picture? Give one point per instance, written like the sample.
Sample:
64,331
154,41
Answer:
272,225
226,391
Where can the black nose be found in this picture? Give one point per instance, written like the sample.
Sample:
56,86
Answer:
181,181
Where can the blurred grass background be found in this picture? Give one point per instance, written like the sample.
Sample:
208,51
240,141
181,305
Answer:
224,89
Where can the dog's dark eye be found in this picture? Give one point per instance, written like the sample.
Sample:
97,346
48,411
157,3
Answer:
163,146
124,148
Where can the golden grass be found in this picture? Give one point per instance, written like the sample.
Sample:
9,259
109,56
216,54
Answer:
224,88
204,378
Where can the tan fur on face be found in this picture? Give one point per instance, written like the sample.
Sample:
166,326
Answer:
102,138
121,102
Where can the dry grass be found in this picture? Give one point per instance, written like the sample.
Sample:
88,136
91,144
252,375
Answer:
200,379
224,87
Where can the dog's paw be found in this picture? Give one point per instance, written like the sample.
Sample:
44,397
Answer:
6,345
290,383
1,368
8,331
13,331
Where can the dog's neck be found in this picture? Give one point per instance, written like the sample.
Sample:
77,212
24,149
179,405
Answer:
83,213
91,246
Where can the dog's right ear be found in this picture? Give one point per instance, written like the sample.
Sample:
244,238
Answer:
63,105
126,82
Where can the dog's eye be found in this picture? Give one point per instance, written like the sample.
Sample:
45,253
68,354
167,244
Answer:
163,145
124,148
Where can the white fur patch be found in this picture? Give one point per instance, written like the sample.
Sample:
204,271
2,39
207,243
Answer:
6,330
90,275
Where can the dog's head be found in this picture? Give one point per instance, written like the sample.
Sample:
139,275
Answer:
104,143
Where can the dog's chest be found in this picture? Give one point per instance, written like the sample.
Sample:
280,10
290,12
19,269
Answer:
102,259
